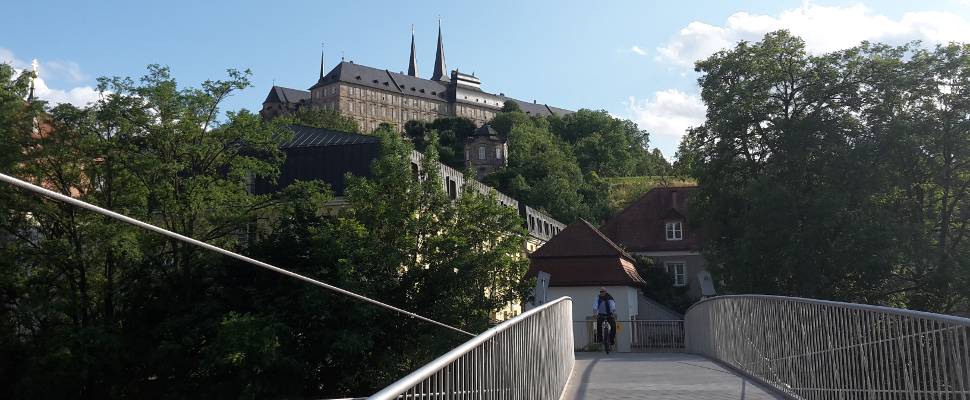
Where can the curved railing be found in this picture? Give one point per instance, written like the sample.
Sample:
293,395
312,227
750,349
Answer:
815,349
527,357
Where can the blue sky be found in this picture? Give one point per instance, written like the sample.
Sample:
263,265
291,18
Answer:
631,58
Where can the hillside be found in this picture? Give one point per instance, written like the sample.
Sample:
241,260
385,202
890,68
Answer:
623,190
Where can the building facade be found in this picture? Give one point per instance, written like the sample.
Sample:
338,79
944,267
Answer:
486,151
656,226
373,96
582,259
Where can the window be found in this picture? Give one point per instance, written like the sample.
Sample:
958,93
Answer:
678,271
498,152
675,230
452,188
481,152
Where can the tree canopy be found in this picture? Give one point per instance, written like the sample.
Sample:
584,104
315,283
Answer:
841,175
92,308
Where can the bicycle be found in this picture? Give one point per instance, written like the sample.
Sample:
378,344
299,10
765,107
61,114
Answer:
607,336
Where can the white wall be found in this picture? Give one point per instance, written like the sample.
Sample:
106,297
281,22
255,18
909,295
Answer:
626,298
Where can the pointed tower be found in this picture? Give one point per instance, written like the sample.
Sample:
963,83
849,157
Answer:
322,70
33,77
413,64
440,73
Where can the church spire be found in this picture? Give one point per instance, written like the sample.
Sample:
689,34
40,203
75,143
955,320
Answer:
439,59
33,77
322,71
413,64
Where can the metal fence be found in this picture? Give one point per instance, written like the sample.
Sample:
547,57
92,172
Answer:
657,335
816,349
527,357
642,335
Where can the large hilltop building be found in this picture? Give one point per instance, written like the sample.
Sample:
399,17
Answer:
373,96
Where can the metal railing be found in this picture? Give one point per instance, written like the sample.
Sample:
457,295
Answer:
815,349
657,335
641,335
527,357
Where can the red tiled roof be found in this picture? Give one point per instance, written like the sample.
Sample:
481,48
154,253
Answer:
641,226
580,239
581,255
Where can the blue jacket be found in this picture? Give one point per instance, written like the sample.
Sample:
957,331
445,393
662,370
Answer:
609,301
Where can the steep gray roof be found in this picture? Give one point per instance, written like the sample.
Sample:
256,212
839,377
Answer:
383,79
413,63
281,94
305,136
440,70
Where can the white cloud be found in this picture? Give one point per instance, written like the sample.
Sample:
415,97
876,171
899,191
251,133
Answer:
824,28
80,95
638,50
667,116
7,57
67,69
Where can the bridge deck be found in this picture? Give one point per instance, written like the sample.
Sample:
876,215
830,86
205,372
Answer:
657,376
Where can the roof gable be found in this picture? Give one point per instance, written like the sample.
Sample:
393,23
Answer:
580,239
640,226
279,94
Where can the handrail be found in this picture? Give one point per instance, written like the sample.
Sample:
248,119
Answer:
441,376
814,349
857,306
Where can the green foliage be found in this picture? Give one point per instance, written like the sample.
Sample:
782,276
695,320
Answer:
836,176
562,164
17,117
107,310
96,309
451,133
321,118
624,190
659,286
511,106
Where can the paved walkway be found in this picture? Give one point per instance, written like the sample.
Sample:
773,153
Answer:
656,376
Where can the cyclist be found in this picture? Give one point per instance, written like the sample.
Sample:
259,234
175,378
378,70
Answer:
605,308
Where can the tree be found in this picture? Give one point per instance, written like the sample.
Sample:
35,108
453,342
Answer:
835,176
108,308
451,133
321,118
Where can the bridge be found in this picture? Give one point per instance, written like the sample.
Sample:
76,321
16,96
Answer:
745,347
750,346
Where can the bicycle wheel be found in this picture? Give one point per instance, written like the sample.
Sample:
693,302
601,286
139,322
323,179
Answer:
607,336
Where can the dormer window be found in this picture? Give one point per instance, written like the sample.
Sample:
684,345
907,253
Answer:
675,230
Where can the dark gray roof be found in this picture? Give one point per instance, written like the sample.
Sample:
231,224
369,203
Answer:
540,109
486,130
440,70
279,94
385,80
305,136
